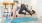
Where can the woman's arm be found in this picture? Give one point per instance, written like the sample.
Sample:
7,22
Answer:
14,14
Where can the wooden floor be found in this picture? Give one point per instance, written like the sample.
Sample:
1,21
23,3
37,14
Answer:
19,16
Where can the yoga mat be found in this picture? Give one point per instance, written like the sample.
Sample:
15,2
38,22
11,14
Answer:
25,19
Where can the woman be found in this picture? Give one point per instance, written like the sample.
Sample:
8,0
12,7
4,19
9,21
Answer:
16,7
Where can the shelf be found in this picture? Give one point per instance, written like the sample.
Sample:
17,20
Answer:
7,12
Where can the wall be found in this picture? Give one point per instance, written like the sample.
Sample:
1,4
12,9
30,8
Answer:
1,7
33,4
1,2
27,2
39,8
7,0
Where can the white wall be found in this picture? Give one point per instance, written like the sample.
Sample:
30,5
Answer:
1,11
28,2
1,8
19,1
33,4
39,8
7,0
1,2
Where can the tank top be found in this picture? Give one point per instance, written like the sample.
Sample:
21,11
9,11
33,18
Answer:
17,7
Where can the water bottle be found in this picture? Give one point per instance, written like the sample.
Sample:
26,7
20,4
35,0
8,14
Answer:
6,16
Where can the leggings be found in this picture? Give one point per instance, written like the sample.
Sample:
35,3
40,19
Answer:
20,11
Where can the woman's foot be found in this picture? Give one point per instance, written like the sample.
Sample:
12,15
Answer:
26,13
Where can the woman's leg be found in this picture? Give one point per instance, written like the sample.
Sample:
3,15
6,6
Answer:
28,11
20,11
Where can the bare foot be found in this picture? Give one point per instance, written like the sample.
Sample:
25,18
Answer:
27,13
